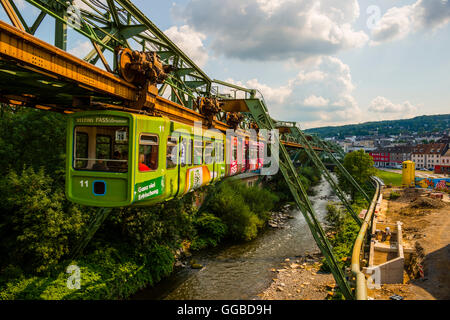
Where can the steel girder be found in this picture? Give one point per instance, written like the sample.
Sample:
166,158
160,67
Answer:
112,23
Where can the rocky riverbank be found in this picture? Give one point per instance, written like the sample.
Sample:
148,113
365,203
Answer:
300,279
183,256
279,219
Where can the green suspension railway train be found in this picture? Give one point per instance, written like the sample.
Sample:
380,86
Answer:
117,159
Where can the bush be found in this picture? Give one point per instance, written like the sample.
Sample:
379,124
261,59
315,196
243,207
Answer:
346,230
210,229
109,273
38,224
229,202
335,216
394,195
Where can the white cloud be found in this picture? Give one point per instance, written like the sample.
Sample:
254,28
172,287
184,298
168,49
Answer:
313,101
321,94
81,49
190,42
383,105
399,22
274,30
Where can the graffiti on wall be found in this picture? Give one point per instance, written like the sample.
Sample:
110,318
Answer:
437,184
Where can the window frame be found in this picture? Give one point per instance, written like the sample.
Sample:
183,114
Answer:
202,151
112,144
213,153
167,153
157,145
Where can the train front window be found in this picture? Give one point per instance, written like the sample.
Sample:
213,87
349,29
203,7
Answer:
101,149
81,149
148,153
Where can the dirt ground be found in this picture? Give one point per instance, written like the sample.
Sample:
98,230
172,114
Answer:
300,279
426,229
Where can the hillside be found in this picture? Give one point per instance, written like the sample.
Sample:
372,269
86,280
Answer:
421,124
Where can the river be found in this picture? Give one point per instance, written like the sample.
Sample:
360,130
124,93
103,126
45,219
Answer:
243,270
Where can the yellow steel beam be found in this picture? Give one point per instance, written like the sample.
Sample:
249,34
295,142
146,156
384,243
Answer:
12,14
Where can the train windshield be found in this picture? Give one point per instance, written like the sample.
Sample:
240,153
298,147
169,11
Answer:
101,148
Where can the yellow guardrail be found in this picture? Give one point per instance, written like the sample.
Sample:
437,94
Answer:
361,284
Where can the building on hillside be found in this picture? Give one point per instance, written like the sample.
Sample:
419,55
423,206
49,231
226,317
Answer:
428,155
381,158
391,156
357,147
400,154
444,166
444,139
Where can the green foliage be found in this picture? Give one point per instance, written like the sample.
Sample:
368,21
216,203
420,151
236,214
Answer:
211,231
309,177
37,224
345,231
109,273
312,174
167,223
394,195
244,210
360,166
260,201
335,216
25,137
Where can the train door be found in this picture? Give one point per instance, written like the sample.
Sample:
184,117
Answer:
209,155
219,166
233,156
184,161
173,174
149,180
246,154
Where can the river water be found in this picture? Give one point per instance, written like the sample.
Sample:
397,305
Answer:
241,271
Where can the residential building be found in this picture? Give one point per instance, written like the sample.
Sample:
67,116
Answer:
381,157
400,154
428,155
391,156
444,166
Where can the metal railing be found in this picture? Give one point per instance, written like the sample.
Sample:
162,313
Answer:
361,284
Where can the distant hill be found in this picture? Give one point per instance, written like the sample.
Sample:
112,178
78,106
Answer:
421,124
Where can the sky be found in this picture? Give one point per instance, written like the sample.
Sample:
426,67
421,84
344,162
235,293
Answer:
317,62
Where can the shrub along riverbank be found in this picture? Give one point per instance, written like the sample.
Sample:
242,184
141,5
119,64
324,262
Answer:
133,248
342,229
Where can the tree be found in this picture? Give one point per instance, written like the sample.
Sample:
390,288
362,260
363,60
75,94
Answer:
360,165
32,137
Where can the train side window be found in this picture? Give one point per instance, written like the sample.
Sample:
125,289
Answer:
247,151
191,152
148,152
235,148
81,150
172,153
209,152
183,152
220,153
198,151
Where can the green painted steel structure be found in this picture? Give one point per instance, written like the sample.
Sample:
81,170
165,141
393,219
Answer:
261,115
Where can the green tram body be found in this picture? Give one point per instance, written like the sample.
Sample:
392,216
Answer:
117,159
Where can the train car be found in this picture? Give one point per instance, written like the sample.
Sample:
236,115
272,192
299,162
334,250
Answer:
117,159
